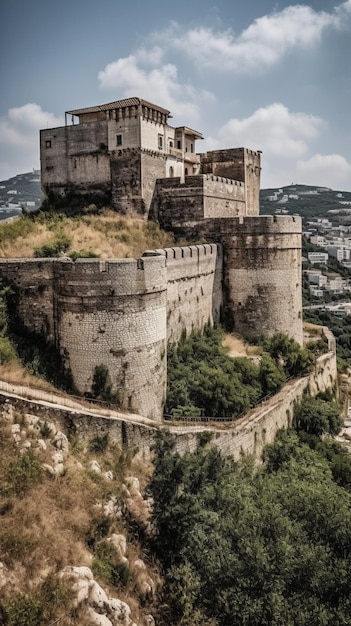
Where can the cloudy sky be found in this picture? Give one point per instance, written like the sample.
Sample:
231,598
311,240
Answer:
264,74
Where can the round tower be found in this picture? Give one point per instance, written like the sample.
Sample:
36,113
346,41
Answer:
262,276
111,315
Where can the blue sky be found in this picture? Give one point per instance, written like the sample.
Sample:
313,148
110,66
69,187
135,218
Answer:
268,75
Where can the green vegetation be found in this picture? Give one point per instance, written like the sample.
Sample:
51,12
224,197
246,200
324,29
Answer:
341,329
204,380
7,351
60,245
107,565
241,545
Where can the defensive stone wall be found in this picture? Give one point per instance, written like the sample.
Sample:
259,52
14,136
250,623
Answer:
133,174
248,435
194,288
120,314
262,274
180,205
33,286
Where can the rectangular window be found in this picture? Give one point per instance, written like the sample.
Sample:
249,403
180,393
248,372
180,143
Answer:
118,140
48,143
160,142
179,144
191,147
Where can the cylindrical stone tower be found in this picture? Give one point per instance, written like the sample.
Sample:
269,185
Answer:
113,314
262,276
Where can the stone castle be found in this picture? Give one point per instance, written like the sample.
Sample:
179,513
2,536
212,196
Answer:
122,313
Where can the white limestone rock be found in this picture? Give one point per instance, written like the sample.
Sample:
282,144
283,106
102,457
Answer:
97,597
120,612
108,475
60,442
95,467
48,468
42,445
98,620
57,457
120,542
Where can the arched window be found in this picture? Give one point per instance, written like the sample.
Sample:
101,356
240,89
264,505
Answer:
171,172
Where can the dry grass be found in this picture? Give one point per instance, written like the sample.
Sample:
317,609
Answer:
237,346
48,522
14,373
108,235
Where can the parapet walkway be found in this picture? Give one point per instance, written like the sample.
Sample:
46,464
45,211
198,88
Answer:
73,404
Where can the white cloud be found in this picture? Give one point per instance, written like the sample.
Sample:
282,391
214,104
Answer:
261,45
143,74
273,129
19,137
331,170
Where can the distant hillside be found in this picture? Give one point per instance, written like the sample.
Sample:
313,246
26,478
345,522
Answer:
18,191
304,200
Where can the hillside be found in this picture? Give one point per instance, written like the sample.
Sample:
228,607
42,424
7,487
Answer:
104,234
23,190
70,513
304,200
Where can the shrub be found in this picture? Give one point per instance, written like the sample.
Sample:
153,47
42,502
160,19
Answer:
317,416
108,566
57,247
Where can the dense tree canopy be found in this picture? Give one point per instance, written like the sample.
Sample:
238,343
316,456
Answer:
248,546
204,380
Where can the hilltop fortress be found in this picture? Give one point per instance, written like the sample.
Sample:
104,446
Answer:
122,313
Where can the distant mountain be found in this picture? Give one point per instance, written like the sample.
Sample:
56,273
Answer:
304,200
23,190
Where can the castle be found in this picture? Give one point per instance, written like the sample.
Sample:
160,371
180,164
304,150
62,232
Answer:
122,313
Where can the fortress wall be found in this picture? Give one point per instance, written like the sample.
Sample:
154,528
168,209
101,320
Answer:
153,166
32,280
133,175
194,288
126,182
262,261
259,427
175,202
114,313
246,436
223,197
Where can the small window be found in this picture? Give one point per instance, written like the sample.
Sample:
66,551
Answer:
171,172
179,144
191,147
171,144
160,142
48,143
118,140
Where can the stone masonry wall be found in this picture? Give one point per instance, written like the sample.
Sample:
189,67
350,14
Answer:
114,313
32,281
248,435
262,262
194,288
180,205
76,158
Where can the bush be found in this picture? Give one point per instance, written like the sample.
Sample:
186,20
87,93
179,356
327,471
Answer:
57,247
317,416
108,566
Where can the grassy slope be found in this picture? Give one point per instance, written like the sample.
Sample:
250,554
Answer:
106,235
